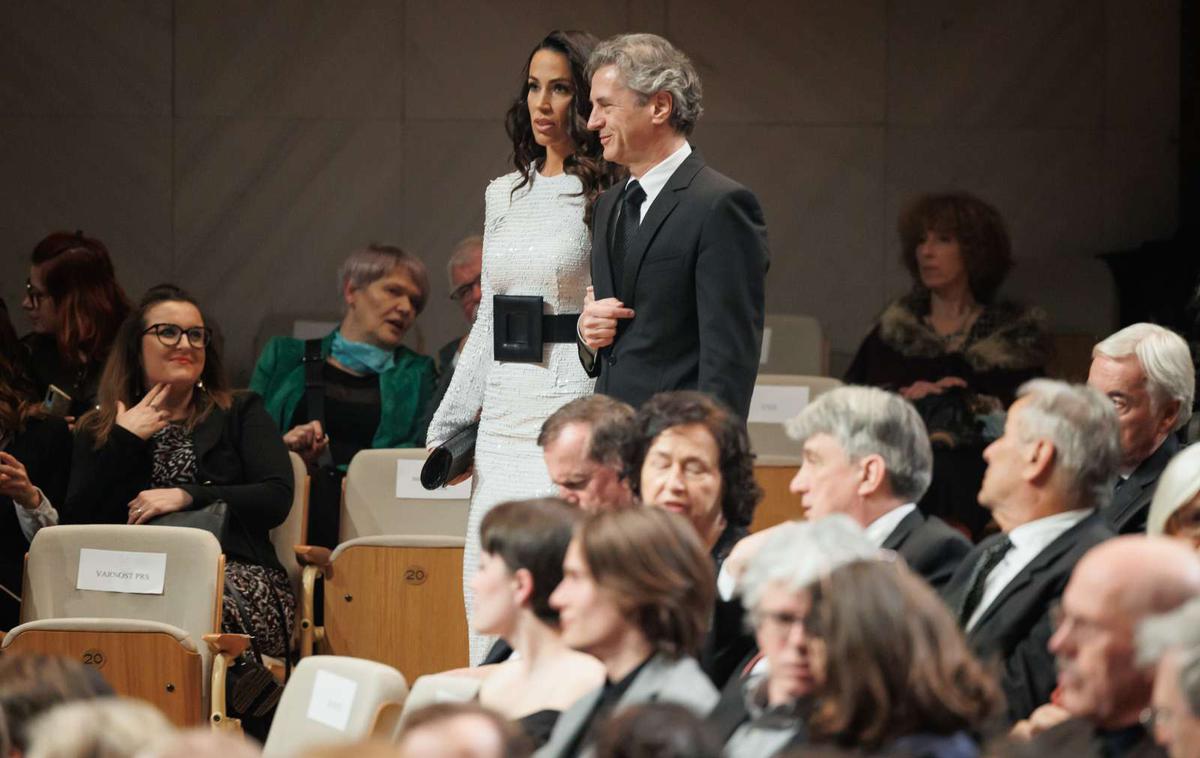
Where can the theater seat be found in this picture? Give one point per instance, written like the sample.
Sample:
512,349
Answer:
164,648
331,700
439,688
285,538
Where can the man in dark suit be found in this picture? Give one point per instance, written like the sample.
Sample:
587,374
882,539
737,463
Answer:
1103,688
1046,477
679,251
1146,370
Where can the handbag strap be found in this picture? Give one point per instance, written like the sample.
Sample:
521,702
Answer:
314,393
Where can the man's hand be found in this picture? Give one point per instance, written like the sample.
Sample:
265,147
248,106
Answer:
920,389
1045,717
151,503
598,322
307,440
745,550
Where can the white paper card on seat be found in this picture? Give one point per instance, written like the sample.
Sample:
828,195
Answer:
121,571
408,484
332,700
774,404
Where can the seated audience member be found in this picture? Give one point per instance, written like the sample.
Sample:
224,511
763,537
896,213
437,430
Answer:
866,454
1046,477
1175,509
692,456
1171,642
583,443
657,730
76,306
372,389
893,674
1146,371
463,269
169,436
463,730
204,742
762,715
35,461
32,684
1102,688
637,593
106,727
523,544
950,346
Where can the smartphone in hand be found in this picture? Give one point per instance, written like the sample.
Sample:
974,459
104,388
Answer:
57,402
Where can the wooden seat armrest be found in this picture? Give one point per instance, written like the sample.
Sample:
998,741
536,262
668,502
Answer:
231,645
312,555
309,633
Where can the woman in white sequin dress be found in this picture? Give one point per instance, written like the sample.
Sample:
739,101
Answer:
536,241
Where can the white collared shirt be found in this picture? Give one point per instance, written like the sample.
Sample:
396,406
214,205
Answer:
655,179
1028,541
881,528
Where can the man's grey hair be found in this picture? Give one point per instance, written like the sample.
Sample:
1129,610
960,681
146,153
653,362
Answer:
648,64
799,553
1177,630
373,262
870,421
469,250
1164,357
1082,426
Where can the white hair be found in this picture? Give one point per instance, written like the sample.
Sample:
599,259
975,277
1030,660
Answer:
799,553
373,262
106,727
1164,357
870,421
648,64
1179,628
1177,486
469,250
1082,426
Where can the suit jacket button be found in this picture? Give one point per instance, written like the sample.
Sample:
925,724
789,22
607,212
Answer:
612,360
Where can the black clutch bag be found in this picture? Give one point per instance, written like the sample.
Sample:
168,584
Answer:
451,458
213,518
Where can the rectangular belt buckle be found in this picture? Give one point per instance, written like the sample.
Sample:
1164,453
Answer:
518,328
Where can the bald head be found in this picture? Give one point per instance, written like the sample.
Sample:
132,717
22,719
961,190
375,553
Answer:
1113,587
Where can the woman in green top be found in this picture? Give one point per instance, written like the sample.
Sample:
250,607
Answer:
375,389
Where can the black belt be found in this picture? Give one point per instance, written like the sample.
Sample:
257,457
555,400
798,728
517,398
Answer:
521,329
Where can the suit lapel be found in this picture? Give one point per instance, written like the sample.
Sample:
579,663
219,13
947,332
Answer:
660,209
1130,493
602,275
907,526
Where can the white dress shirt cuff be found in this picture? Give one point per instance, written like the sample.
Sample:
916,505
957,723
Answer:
33,519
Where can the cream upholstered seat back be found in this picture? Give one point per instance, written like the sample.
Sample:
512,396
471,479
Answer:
290,533
191,587
793,344
769,440
332,699
439,688
371,506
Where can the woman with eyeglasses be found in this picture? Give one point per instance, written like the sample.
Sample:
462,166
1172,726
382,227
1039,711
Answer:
75,305
169,435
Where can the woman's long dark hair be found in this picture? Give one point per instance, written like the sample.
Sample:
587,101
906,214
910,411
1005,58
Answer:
123,373
18,395
587,162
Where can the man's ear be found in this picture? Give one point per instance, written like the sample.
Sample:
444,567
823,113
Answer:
873,472
661,104
1169,417
1039,461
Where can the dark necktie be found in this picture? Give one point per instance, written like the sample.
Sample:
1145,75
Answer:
627,226
984,566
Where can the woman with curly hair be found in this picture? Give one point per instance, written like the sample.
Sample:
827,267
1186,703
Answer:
950,346
536,268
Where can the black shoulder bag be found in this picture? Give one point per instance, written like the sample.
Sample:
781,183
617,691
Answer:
325,488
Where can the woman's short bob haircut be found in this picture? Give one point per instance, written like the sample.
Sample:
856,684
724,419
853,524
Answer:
979,229
657,571
532,535
740,492
368,264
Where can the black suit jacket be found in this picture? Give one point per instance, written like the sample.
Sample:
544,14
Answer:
930,546
1016,627
694,275
1130,506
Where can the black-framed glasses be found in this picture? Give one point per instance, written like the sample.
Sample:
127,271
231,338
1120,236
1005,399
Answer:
34,294
464,289
170,334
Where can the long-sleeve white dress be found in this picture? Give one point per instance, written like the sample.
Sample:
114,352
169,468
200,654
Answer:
534,243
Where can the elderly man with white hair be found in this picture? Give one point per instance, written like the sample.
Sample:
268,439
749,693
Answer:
1147,373
866,454
1171,642
1046,477
761,713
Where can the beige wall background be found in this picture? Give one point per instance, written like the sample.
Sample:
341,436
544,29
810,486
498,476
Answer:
242,148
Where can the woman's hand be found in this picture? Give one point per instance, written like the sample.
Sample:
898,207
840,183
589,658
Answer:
307,440
151,503
147,417
920,389
14,483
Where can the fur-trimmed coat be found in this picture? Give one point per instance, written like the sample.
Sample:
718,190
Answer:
1006,346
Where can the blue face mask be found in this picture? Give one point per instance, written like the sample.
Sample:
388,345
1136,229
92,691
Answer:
360,357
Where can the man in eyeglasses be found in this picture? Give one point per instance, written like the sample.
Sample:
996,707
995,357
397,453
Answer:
463,269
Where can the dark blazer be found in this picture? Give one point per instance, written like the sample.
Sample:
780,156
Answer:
240,458
1016,627
694,276
1080,739
1130,506
930,546
44,448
